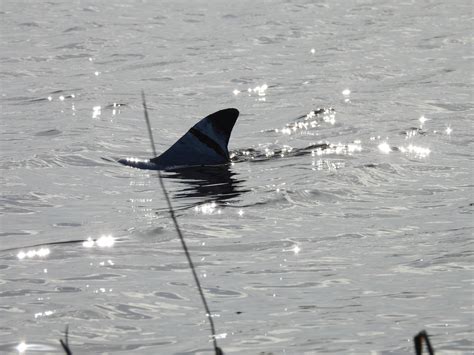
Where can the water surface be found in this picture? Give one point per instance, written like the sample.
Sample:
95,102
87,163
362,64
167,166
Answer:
349,249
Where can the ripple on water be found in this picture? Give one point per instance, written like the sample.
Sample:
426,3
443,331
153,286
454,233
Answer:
48,133
23,204
41,161
217,292
23,292
78,160
94,277
407,295
28,281
84,314
128,311
170,296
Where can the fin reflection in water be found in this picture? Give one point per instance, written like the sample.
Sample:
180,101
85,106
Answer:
216,183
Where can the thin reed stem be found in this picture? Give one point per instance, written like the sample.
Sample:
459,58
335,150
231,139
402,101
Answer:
180,235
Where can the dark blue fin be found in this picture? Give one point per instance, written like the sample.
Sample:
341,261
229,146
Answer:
204,144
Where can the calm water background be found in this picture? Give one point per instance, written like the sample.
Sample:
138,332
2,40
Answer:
350,250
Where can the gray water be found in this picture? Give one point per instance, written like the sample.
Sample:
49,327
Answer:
350,249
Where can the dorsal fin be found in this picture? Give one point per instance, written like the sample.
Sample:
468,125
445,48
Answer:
204,144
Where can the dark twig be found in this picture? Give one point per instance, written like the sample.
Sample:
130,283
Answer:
418,340
217,350
65,343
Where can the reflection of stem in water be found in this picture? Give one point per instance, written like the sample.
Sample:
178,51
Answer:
419,339
180,235
65,342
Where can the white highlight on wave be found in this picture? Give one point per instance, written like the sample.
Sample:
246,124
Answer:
325,164
269,152
260,90
22,347
96,111
137,160
298,126
207,208
109,262
42,252
346,93
339,149
310,121
419,152
412,133
295,248
44,314
104,241
286,149
384,147
221,335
